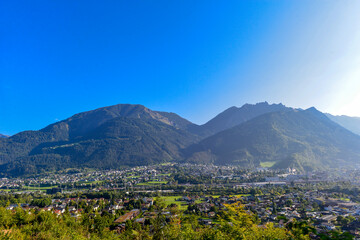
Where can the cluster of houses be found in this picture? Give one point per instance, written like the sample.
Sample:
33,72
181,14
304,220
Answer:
59,206
95,180
315,207
284,208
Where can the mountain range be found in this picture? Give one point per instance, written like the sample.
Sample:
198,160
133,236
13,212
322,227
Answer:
127,135
3,136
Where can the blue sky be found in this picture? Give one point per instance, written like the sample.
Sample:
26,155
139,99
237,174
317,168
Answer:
195,58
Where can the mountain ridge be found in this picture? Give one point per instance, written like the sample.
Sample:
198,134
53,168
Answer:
350,123
132,134
304,139
25,147
3,136
236,115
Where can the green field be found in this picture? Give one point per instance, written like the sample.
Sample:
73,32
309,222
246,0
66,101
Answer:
172,199
38,188
164,174
181,204
267,164
345,199
237,195
152,183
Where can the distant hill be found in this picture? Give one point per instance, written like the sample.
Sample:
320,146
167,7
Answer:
295,138
350,123
120,135
3,136
234,116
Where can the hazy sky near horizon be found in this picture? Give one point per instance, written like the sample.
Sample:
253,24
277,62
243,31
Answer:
195,58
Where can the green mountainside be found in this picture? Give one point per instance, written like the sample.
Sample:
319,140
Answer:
297,138
132,135
234,116
350,123
116,143
120,135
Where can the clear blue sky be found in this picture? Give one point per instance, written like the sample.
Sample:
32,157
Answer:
195,58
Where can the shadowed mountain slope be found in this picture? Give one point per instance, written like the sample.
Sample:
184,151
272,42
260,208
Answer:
120,135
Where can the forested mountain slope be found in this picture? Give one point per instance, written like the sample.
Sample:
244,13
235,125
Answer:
234,116
350,123
297,138
120,135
